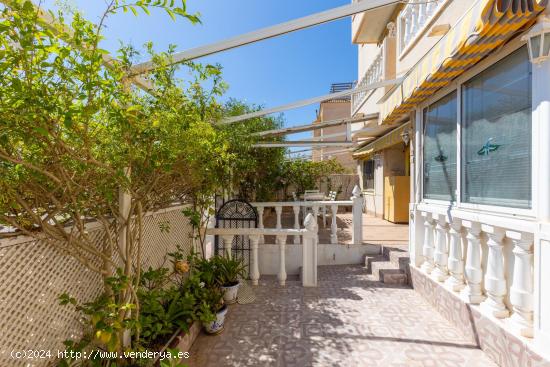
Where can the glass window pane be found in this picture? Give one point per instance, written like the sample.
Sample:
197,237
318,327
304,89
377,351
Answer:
440,149
496,134
368,175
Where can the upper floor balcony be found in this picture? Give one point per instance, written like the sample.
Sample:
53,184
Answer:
374,73
369,27
414,20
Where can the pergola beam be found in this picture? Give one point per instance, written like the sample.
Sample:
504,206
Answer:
316,126
301,143
305,102
269,32
66,34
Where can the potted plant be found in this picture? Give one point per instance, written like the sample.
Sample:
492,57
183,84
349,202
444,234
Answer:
212,310
229,273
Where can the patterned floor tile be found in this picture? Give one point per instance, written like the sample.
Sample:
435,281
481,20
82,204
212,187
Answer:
346,321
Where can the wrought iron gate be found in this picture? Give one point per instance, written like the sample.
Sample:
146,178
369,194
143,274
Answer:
237,214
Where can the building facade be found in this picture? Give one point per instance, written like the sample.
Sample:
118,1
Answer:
470,116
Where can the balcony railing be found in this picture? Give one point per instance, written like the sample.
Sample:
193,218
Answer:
414,18
374,74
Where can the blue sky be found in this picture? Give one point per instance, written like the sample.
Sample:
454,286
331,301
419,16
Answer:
299,65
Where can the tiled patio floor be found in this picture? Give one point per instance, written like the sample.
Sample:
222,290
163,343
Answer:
375,230
346,321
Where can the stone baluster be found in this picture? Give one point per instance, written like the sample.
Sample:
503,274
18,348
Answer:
227,244
296,209
428,244
455,263
309,253
495,282
315,209
422,16
281,240
440,273
473,272
278,211
333,226
521,291
261,222
254,268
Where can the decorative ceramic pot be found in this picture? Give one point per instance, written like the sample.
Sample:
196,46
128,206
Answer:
230,293
216,326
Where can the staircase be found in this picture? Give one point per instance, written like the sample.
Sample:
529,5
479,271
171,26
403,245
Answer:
390,267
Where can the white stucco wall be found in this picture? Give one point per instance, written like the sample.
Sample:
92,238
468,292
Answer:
326,254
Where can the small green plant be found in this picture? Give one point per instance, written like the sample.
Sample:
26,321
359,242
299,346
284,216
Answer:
230,270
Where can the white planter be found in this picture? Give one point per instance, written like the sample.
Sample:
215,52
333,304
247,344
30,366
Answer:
230,293
216,326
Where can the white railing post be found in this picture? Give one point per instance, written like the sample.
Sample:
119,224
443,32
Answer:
455,264
333,225
357,212
521,291
495,282
281,239
473,272
254,268
428,244
440,273
309,252
261,222
278,211
296,210
227,244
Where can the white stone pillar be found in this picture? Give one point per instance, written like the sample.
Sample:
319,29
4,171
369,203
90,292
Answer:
309,253
495,282
473,272
441,273
227,244
333,226
428,244
261,222
296,209
357,212
521,291
254,268
281,240
455,264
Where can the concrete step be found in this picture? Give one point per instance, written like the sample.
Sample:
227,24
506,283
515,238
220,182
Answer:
388,272
370,259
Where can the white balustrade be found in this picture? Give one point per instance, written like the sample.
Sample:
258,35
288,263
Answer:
455,264
473,272
495,282
484,281
440,272
254,267
356,202
414,17
428,244
309,249
521,291
374,73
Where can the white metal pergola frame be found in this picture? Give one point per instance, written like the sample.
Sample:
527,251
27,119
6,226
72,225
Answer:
135,73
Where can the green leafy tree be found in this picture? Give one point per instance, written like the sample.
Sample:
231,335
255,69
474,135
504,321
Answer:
76,136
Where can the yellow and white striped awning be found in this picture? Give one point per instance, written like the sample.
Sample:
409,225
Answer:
390,139
487,25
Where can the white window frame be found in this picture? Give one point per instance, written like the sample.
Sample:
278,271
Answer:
456,85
